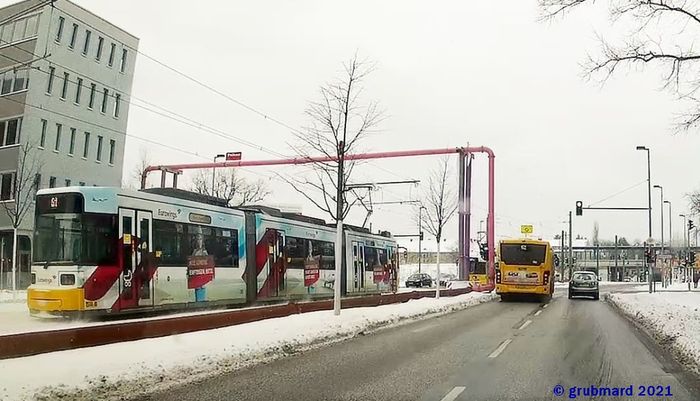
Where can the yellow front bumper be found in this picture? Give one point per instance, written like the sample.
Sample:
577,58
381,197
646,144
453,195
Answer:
46,300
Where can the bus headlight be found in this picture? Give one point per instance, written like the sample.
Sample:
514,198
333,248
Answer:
67,279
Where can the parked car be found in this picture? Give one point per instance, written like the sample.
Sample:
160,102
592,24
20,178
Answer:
584,283
419,280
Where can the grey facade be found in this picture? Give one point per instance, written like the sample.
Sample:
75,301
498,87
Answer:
65,80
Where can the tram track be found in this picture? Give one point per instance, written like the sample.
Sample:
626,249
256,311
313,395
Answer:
39,342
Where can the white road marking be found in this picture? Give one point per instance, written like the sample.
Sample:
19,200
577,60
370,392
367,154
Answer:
527,323
545,305
453,394
538,312
424,328
500,348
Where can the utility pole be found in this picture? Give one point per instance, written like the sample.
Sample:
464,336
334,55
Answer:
562,254
213,173
670,238
662,216
420,236
571,247
617,256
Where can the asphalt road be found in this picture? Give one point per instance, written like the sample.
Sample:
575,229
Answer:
495,351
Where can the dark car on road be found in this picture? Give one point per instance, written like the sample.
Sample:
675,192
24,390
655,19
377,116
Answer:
419,280
447,277
584,283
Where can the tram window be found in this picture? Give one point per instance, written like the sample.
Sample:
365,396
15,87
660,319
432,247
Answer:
298,249
178,241
374,256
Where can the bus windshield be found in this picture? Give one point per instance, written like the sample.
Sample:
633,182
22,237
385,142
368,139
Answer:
75,238
523,254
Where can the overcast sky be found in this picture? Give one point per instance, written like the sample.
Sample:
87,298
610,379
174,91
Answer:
449,73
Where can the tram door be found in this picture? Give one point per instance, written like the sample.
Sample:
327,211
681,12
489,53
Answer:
276,271
358,253
137,267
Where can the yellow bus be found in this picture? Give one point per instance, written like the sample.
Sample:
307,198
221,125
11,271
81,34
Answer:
477,271
526,266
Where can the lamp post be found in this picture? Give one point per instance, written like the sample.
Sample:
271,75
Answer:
213,172
649,272
648,182
662,216
685,231
420,236
670,234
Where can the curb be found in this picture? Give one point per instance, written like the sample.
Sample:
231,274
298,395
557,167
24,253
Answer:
39,342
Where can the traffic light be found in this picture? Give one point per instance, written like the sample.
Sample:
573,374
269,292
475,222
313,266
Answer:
692,258
579,208
484,251
421,235
690,225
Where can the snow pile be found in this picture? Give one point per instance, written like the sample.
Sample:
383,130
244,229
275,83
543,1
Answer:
115,371
672,318
9,296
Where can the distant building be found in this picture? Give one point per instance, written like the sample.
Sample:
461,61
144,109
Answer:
65,79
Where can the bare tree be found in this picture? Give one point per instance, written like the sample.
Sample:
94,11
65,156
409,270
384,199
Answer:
339,122
133,181
440,204
227,184
660,36
22,192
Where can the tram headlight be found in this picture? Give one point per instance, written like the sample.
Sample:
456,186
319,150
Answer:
33,278
67,279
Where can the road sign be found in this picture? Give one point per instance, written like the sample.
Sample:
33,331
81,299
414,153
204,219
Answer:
233,156
526,229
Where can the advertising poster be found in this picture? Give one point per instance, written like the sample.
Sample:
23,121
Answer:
311,271
200,271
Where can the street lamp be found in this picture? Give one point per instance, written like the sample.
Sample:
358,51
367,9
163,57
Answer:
420,235
670,225
662,216
648,181
213,172
649,272
685,231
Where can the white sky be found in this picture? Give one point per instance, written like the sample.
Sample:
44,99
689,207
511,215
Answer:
450,73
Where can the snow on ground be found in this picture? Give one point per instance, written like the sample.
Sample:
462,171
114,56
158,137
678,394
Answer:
113,371
8,296
672,318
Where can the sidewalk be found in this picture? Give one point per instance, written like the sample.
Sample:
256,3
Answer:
671,316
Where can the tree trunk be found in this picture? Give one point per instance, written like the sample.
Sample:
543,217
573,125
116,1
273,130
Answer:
14,260
437,289
339,232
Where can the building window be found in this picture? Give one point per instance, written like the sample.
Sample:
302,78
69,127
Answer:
37,181
59,31
100,43
86,145
99,148
122,66
117,99
59,128
93,88
112,148
7,182
49,87
9,131
105,96
64,90
112,50
52,182
78,90
68,182
13,81
44,123
19,29
73,36
71,148
86,45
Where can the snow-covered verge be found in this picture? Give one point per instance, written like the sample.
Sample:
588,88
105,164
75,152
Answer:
671,318
120,371
8,296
